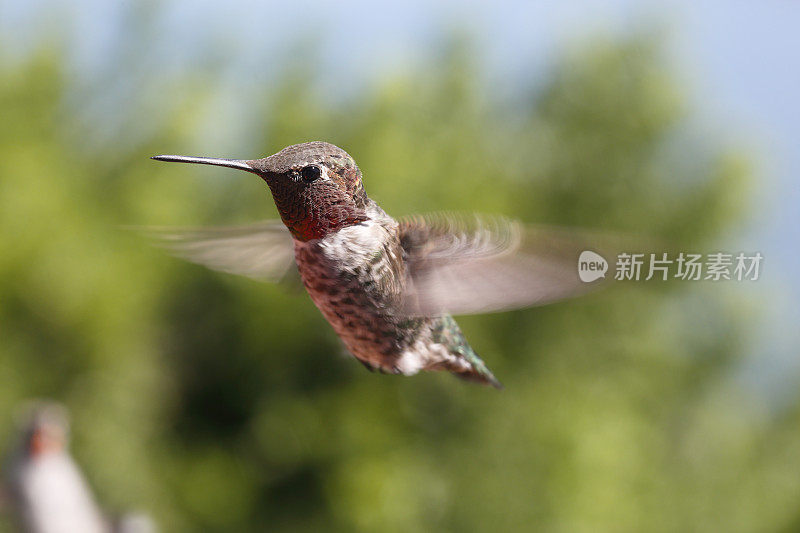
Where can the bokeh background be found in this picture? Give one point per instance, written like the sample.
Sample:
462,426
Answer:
218,404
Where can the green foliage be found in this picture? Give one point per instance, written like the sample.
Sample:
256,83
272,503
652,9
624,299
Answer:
219,404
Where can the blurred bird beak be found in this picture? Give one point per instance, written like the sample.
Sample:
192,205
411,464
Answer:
230,163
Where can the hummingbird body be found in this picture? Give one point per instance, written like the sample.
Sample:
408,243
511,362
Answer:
356,278
386,287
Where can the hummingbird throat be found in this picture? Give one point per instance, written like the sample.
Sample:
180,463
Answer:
315,213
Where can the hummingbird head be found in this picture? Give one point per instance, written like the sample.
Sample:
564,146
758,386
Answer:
47,430
316,186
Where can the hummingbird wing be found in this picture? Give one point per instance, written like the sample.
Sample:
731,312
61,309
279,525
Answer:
476,264
262,251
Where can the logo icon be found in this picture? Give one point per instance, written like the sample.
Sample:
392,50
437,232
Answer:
591,266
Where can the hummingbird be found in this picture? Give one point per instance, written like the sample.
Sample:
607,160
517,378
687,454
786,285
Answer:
389,288
46,487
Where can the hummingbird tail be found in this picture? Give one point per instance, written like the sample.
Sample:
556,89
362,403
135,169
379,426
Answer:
484,377
466,364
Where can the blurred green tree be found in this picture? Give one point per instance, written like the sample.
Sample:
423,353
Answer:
222,405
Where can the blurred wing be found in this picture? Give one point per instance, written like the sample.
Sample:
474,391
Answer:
262,251
474,264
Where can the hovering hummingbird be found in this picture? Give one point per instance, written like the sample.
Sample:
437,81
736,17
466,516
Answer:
387,287
46,488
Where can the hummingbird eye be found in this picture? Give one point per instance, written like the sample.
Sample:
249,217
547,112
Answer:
310,173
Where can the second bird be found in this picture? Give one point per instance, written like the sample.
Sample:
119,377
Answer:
387,287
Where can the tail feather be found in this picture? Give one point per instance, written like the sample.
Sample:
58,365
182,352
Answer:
483,377
466,364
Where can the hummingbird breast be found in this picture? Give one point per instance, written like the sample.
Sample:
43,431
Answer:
356,278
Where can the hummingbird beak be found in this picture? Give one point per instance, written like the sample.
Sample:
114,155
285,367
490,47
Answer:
230,163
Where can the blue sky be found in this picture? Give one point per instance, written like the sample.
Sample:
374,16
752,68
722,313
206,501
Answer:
740,60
